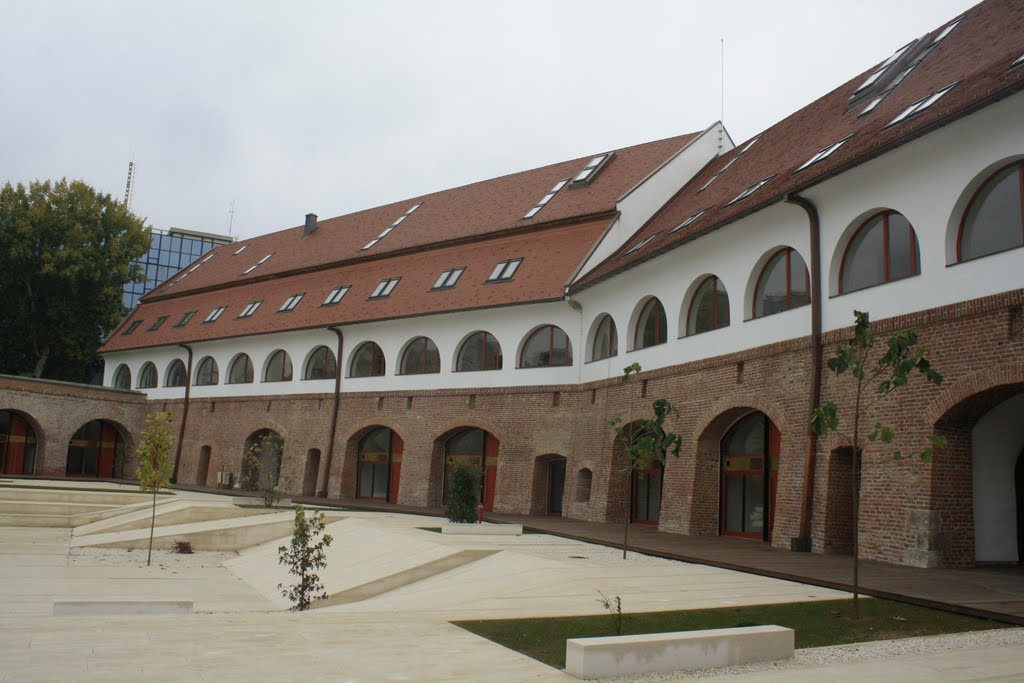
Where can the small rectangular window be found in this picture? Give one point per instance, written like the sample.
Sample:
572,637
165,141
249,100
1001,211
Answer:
504,270
157,323
641,244
691,219
949,29
241,249
448,278
257,264
131,328
1017,62
291,302
385,288
922,104
335,296
184,319
249,309
750,190
590,171
545,199
214,314
387,231
824,153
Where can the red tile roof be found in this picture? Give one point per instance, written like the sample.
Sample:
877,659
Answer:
977,55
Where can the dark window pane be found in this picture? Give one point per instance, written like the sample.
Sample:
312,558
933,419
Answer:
747,437
865,264
994,219
652,325
547,347
734,503
702,309
368,361
753,504
721,306
377,441
471,358
771,295
606,342
900,247
241,370
468,442
798,294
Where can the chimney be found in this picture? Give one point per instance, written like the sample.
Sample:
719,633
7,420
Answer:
310,223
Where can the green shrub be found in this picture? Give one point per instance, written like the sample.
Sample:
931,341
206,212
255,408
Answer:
463,495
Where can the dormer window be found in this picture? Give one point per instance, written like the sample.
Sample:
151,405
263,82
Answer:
691,219
448,278
257,264
824,153
919,106
249,309
590,171
504,270
291,302
750,190
545,199
641,244
157,323
385,288
215,313
131,328
336,295
387,231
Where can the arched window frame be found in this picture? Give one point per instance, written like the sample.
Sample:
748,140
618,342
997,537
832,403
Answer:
207,372
248,373
716,324
1019,164
325,356
612,347
378,365
429,357
915,266
487,361
283,360
123,377
177,374
788,251
550,330
655,308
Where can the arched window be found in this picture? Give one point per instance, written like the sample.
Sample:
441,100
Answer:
994,219
123,378
883,249
421,357
368,361
147,376
783,284
207,373
241,370
480,351
606,339
547,347
321,364
279,367
176,374
651,326
709,309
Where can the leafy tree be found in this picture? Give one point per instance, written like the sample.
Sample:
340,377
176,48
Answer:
646,444
155,462
463,495
303,557
262,467
65,255
891,369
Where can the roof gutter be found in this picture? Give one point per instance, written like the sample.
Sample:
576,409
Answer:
326,484
803,542
184,412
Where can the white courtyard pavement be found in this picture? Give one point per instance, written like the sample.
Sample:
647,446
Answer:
240,632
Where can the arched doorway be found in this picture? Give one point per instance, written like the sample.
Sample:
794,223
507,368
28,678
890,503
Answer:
647,485
637,491
548,485
749,478
379,465
96,450
17,444
476,449
261,460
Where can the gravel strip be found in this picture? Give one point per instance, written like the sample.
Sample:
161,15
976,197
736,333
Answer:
842,654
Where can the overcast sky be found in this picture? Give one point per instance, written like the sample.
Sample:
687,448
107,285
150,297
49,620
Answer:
286,108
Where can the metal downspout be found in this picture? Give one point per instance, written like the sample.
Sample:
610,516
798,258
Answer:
322,493
184,412
803,542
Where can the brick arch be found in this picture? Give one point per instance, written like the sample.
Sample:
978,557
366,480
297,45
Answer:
126,435
1004,375
37,432
435,484
746,402
457,425
350,456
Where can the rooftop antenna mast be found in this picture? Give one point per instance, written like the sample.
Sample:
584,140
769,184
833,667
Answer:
128,186
231,216
721,61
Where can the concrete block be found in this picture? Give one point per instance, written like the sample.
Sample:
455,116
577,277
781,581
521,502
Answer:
81,608
680,651
483,529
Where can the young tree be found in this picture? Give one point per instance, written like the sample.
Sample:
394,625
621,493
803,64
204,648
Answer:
646,444
155,463
875,374
303,557
66,251
262,467
463,495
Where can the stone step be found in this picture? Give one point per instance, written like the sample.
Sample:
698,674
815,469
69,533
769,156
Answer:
173,512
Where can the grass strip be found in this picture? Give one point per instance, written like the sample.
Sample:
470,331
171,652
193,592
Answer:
817,623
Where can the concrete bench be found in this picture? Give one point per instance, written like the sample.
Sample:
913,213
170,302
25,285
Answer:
484,529
81,608
680,651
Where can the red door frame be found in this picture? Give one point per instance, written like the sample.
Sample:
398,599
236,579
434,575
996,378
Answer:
769,466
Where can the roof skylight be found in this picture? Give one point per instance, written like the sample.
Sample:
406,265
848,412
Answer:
750,190
590,171
241,249
215,313
385,288
637,247
743,150
691,219
882,68
1017,62
504,270
922,104
949,29
257,264
825,153
387,231
157,323
448,278
291,302
336,295
249,309
545,199
184,319
131,328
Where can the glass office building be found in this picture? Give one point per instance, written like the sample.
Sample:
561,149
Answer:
169,252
